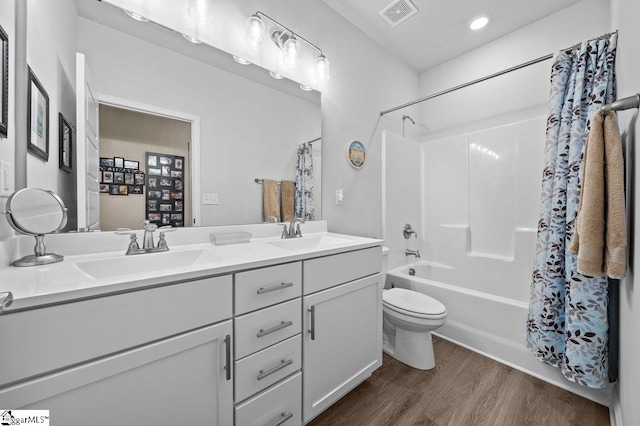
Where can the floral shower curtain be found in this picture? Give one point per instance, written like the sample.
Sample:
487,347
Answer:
304,207
567,325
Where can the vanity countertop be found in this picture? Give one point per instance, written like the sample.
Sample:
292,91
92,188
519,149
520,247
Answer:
82,276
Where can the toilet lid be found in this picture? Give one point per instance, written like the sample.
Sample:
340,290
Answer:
412,301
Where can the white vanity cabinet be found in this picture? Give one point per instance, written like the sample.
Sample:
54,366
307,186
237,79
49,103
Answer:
343,325
132,358
268,345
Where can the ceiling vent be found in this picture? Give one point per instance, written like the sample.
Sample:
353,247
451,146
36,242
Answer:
398,12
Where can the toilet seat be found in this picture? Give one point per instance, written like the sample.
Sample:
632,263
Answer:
413,303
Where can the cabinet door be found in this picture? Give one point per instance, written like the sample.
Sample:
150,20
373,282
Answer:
342,341
183,377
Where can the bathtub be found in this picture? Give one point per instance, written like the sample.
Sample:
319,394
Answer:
485,323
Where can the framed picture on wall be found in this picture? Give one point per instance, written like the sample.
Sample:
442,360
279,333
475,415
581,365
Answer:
118,162
4,83
65,133
37,118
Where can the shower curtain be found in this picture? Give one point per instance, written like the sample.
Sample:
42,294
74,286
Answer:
304,207
567,325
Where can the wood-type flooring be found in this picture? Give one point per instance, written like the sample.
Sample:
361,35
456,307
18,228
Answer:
464,389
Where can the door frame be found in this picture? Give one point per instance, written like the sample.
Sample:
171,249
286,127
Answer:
194,151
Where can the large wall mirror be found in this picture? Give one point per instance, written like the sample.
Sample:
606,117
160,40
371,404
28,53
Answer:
159,93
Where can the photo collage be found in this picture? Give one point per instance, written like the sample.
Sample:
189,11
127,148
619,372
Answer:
165,189
121,177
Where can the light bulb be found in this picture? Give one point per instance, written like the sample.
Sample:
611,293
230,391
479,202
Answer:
291,49
202,12
276,75
305,87
479,21
323,69
241,60
254,31
191,39
136,16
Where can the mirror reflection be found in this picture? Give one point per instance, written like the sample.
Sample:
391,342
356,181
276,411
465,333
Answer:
230,130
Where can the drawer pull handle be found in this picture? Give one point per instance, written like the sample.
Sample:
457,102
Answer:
6,299
280,286
283,324
283,364
227,367
312,330
283,417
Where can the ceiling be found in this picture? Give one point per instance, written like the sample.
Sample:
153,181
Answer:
439,31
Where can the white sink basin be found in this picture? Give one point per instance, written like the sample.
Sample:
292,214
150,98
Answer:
145,263
305,243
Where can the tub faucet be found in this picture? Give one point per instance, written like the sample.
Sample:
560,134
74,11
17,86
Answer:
415,253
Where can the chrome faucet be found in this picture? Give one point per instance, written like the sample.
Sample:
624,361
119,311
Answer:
147,247
415,253
294,230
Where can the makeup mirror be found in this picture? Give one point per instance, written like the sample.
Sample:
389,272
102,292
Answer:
36,212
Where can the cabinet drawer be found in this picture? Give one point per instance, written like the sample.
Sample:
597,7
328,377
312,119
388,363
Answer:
257,330
329,271
267,286
279,405
261,370
50,338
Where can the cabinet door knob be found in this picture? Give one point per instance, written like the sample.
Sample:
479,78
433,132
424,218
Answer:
283,363
280,286
283,417
283,324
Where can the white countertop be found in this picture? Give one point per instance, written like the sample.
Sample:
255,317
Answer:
90,275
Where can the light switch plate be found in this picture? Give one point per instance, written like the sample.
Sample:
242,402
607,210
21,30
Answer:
210,199
6,179
339,197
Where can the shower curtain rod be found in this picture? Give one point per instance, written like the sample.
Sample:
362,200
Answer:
469,83
311,141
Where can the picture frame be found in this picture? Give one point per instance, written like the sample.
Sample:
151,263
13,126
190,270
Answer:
118,177
139,178
130,164
356,154
65,144
128,179
4,83
118,162
37,118
104,188
106,162
107,177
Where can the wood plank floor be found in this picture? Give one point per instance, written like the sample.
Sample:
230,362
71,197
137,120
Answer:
463,389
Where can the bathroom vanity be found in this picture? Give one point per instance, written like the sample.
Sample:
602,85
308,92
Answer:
268,332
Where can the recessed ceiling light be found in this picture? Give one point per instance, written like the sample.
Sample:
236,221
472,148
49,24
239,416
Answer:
276,75
136,16
191,39
479,21
240,60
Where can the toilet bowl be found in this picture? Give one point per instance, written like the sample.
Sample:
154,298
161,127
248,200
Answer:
409,318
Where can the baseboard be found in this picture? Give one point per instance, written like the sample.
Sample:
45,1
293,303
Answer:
517,356
615,410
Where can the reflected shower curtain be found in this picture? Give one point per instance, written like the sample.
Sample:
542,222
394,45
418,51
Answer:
304,207
567,325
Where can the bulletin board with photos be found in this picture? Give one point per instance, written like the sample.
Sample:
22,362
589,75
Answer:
121,177
165,189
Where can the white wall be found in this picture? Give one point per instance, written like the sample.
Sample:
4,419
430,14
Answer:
247,130
7,146
625,14
51,49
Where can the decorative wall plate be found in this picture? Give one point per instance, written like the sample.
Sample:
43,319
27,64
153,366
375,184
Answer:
356,154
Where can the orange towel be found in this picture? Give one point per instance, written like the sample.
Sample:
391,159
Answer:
270,199
600,238
287,191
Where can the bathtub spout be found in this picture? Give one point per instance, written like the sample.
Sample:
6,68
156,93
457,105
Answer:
415,253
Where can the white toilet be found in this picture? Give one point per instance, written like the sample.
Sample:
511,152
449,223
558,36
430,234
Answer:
409,318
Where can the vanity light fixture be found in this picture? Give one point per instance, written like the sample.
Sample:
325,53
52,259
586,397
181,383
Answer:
276,75
201,11
240,60
287,41
191,39
136,16
479,22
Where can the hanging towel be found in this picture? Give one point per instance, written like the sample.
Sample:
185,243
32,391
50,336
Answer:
601,228
270,199
287,192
